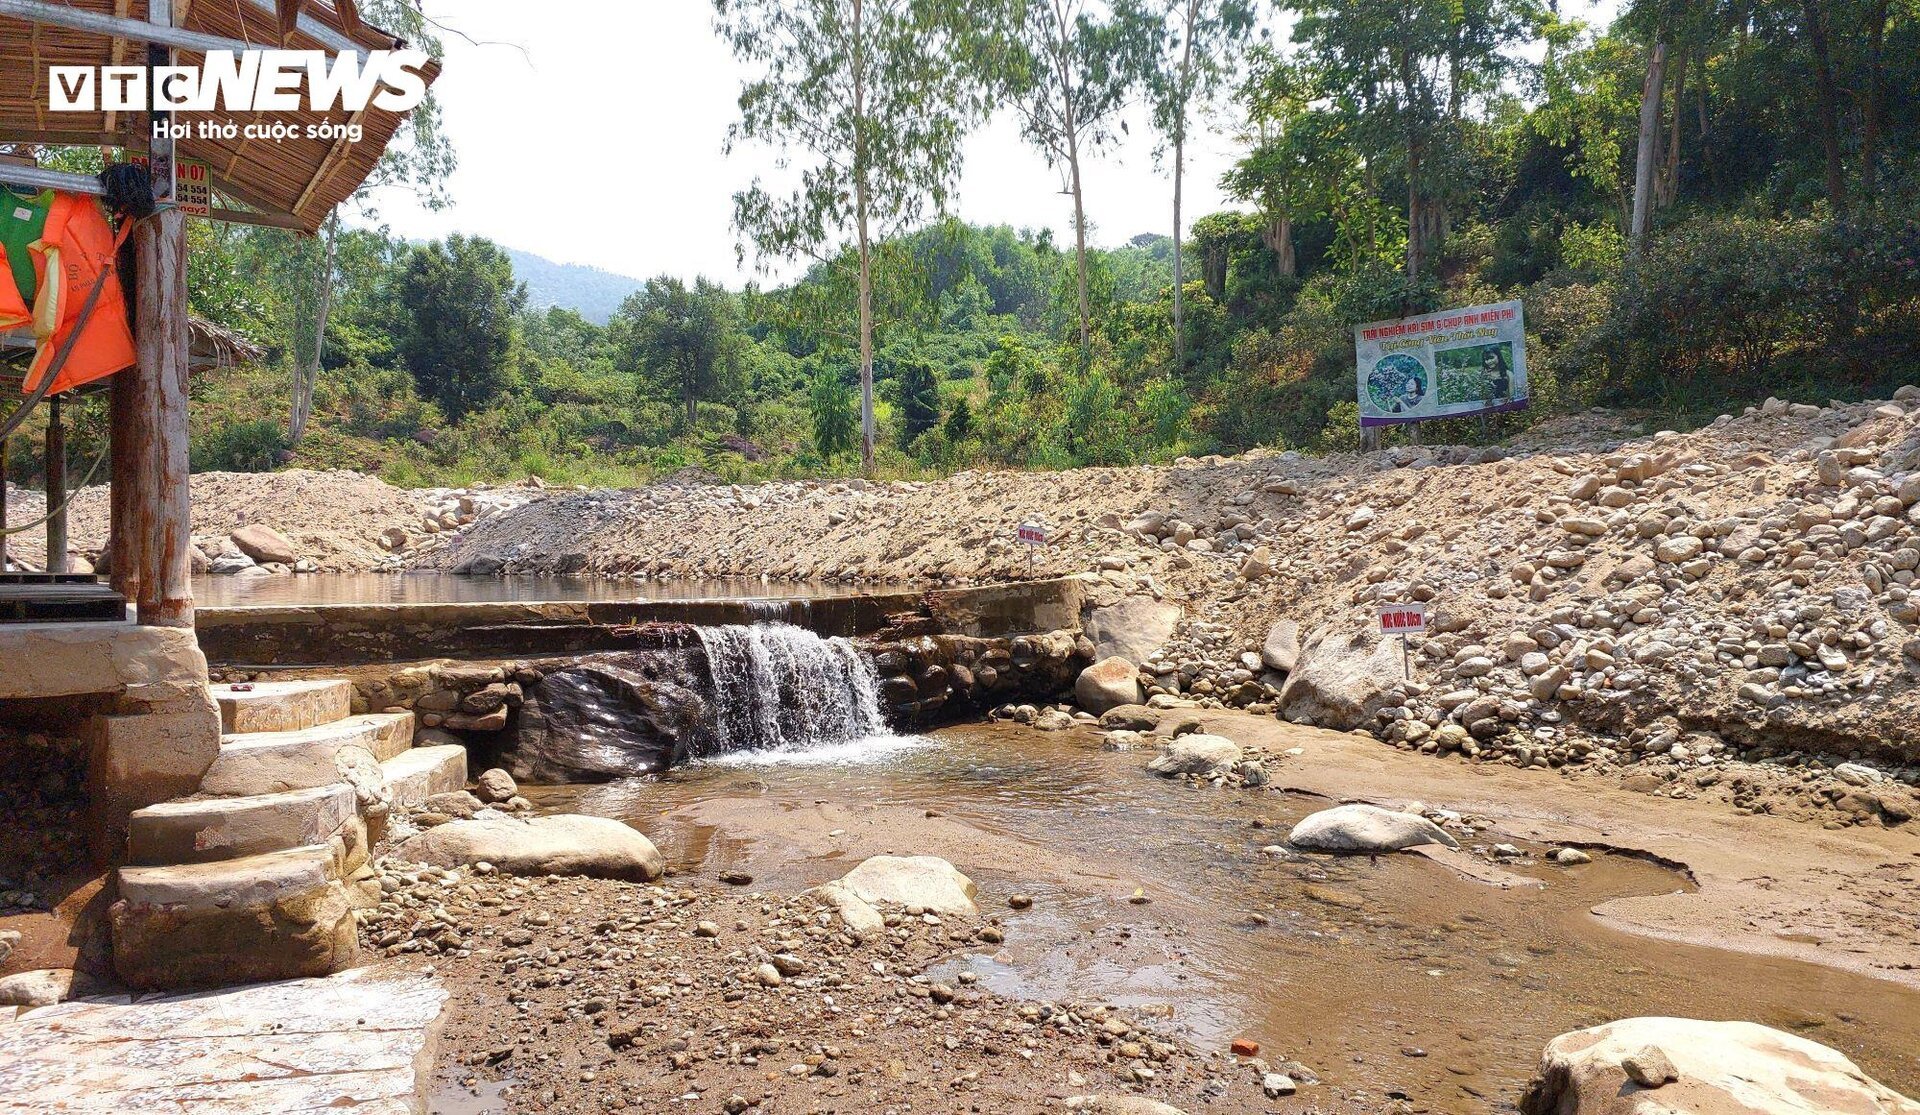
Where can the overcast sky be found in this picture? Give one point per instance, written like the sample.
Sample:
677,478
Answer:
592,132
602,144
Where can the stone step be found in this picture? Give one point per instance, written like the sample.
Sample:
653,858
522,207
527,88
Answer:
206,829
414,776
275,915
283,706
271,762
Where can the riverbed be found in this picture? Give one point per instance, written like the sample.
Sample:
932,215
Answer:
1398,975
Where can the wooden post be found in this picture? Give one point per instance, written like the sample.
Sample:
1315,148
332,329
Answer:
162,514
3,505
160,340
125,416
56,488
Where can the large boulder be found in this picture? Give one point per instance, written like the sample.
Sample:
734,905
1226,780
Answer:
1195,753
606,717
264,544
1366,828
1340,681
1720,1068
1131,628
563,844
1281,650
1108,683
926,881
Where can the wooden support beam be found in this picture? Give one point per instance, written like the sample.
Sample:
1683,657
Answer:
126,418
248,217
81,19
56,488
334,154
162,513
3,504
160,340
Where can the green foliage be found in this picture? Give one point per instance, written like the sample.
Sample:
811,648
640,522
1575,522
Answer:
458,303
684,340
919,399
251,446
834,410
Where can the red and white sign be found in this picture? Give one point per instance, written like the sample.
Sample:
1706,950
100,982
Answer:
1403,619
1032,534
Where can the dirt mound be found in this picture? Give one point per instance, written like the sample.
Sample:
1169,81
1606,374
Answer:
335,518
1751,580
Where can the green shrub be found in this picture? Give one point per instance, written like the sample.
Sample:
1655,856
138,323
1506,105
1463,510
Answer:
250,446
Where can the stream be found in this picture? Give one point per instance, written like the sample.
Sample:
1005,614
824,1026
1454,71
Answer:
1393,976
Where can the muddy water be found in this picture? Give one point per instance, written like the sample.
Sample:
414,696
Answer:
1395,975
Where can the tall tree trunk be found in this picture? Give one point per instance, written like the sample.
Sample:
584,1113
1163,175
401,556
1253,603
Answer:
862,199
1278,237
866,335
1643,161
1829,98
1070,128
1416,156
1416,213
1669,190
1179,172
1876,98
1179,272
307,374
1080,246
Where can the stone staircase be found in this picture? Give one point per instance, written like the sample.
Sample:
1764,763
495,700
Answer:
257,875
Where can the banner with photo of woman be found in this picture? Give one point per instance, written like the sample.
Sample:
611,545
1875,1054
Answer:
1442,365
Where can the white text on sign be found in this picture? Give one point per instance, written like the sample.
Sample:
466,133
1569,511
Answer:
1403,619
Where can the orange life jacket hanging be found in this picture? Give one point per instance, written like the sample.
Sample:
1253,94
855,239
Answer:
68,244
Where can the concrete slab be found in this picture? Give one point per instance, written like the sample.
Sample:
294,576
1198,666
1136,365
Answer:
283,706
416,775
201,830
361,1040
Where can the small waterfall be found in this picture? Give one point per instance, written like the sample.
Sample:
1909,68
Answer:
776,687
759,694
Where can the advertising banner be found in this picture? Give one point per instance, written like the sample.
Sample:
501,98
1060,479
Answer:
1442,365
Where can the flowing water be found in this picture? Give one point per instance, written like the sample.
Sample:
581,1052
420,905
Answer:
1389,975
781,690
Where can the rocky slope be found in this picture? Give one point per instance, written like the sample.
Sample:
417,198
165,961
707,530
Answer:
1594,597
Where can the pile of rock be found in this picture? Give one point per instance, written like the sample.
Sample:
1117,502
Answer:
250,550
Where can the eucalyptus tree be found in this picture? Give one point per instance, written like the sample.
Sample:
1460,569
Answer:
1412,68
1201,41
1070,66
418,161
867,102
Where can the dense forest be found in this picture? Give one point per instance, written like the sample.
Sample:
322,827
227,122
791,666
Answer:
1701,204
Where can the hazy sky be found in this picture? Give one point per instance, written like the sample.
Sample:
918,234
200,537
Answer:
591,131
602,144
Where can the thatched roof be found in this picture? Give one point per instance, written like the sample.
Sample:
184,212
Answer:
301,178
209,347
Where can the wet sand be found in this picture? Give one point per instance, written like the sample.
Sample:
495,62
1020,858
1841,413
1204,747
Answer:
1406,975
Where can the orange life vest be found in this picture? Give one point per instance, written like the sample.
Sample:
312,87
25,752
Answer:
75,247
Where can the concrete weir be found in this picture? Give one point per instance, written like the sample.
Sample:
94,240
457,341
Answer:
345,635
590,690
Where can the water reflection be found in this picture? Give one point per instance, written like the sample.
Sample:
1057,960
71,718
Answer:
445,588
